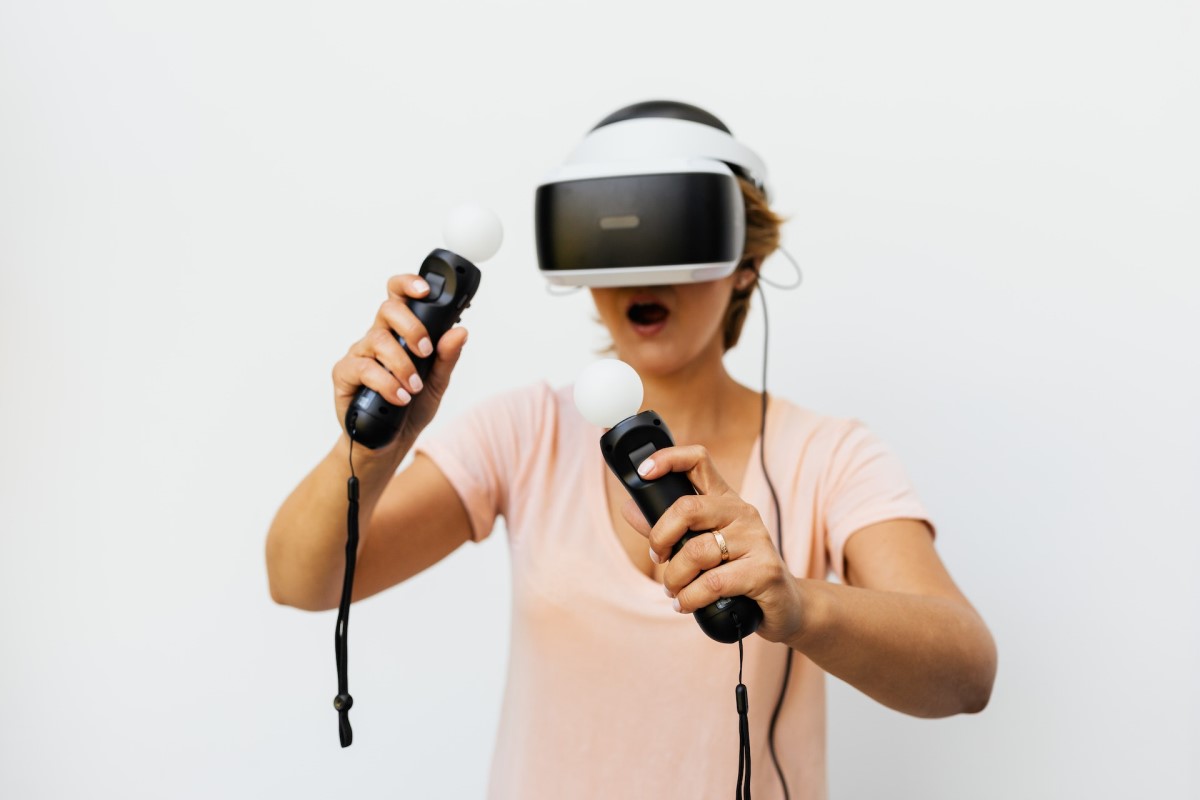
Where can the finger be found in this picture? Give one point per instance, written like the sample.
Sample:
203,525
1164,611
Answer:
692,512
731,579
380,345
396,314
694,459
700,553
634,516
354,371
401,287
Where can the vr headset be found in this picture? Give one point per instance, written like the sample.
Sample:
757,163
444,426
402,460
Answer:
650,196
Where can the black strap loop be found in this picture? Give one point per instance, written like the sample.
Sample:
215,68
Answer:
343,702
742,698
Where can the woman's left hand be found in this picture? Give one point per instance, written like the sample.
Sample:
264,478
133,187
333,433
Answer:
754,568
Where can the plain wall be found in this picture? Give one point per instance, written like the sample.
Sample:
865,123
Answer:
996,209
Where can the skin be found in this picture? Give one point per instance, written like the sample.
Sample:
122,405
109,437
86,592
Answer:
899,630
899,607
408,520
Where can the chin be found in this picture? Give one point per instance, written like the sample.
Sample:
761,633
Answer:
656,358
660,330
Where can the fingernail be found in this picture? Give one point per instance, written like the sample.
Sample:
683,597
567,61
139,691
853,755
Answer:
678,607
415,383
425,347
667,590
654,556
405,397
420,285
646,466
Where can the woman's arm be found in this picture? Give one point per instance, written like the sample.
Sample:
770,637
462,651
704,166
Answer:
408,522
901,631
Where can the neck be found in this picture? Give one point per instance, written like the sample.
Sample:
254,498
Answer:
697,400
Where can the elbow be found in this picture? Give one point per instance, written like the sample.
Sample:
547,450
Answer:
278,596
275,583
965,686
293,595
281,597
977,699
284,589
977,692
969,694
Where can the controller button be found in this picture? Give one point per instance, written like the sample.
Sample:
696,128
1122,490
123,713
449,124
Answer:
641,454
436,284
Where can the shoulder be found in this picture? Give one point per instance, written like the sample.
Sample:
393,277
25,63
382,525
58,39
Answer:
523,405
533,393
534,411
795,423
820,445
500,420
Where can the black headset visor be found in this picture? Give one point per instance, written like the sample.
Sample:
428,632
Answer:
629,224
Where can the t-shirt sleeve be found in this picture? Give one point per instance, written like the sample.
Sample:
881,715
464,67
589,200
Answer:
867,484
479,453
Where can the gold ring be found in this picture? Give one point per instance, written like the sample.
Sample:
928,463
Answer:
721,544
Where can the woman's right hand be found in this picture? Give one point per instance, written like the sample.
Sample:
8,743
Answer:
379,362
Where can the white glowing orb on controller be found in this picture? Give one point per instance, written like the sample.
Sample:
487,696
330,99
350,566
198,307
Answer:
607,392
473,231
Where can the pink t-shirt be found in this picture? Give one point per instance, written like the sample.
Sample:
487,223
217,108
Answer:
611,693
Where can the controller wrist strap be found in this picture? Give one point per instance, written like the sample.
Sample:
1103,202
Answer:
742,790
344,701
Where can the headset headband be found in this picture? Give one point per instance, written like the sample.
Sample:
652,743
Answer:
659,137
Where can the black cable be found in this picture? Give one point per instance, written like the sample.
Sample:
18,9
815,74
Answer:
344,701
787,668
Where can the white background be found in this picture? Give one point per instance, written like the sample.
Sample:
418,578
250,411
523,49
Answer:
996,207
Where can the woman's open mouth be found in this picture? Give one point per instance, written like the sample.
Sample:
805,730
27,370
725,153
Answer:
647,315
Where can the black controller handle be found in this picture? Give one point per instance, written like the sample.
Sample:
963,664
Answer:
452,281
625,446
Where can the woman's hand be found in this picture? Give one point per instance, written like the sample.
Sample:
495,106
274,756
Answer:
754,568
379,362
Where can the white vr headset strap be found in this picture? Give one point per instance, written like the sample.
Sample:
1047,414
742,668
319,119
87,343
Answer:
642,139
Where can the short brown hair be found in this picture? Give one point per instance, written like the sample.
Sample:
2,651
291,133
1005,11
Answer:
762,239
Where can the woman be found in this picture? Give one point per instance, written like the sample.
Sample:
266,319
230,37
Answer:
612,690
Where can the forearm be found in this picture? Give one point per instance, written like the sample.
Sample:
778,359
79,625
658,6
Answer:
305,549
928,656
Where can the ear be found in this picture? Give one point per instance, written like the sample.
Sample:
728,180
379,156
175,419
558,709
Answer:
747,273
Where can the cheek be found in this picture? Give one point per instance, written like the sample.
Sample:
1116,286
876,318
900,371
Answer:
605,302
706,308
